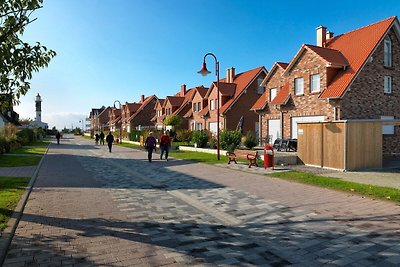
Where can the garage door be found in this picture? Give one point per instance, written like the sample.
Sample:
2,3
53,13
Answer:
274,130
295,120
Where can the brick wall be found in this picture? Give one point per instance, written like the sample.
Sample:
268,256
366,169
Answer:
366,98
145,115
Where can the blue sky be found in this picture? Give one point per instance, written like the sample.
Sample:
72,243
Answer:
120,49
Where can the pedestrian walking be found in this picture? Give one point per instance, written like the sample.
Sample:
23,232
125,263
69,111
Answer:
109,140
150,145
58,136
96,138
165,143
101,138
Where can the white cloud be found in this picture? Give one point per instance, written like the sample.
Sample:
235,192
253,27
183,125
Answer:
64,119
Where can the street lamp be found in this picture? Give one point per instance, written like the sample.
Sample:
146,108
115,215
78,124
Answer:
204,71
120,127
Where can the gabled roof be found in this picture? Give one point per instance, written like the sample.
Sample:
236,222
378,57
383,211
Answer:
175,101
133,106
146,101
188,114
160,102
204,111
356,46
261,102
114,121
242,81
333,58
282,96
280,65
188,99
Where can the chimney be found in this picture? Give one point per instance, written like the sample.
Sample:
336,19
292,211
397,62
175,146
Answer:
183,89
230,75
321,36
141,98
329,35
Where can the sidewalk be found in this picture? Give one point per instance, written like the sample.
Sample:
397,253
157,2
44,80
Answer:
90,207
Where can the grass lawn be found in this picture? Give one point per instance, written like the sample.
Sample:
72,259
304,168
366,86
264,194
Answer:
11,190
372,191
30,150
198,156
17,161
130,145
44,143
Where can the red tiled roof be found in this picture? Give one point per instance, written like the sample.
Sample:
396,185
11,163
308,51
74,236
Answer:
176,101
227,89
356,46
282,97
133,106
242,81
202,91
146,101
154,118
331,56
161,102
188,99
261,102
204,111
188,114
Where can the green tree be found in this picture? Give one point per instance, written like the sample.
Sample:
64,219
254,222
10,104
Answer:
18,59
173,120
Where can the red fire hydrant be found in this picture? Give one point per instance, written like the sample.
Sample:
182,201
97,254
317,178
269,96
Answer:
268,156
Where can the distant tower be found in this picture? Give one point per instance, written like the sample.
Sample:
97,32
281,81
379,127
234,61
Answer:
38,102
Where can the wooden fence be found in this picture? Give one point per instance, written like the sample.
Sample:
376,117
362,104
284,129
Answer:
344,145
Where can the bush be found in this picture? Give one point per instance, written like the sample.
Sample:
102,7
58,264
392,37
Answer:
135,135
173,120
213,143
184,136
200,138
230,139
26,136
250,141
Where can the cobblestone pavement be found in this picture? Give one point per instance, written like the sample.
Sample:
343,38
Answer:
90,207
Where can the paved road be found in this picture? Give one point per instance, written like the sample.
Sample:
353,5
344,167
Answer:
90,207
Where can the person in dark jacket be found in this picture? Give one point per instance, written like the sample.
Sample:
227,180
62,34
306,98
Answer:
165,143
150,145
109,140
96,138
58,136
101,138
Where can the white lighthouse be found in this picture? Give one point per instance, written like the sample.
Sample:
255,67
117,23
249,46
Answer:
38,104
37,123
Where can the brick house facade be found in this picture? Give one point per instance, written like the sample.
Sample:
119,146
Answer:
142,117
238,93
198,103
341,78
158,119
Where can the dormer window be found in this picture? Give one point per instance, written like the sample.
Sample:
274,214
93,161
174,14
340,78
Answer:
299,86
315,83
387,50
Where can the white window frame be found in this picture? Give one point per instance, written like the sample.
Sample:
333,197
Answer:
387,84
387,129
272,93
260,89
299,85
315,83
387,52
211,104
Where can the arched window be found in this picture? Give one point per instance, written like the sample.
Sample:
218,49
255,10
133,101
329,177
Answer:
387,49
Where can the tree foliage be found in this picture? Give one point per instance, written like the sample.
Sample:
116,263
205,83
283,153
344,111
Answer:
173,120
18,59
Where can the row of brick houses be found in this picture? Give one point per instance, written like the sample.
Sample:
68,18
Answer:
348,76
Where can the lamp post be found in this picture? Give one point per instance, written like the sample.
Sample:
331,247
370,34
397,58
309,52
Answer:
120,127
204,71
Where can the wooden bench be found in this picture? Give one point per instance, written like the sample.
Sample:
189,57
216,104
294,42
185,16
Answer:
250,155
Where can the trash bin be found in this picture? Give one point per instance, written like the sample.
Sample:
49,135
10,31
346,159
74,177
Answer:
268,156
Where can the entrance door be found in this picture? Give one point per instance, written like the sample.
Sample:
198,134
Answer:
274,130
213,127
295,120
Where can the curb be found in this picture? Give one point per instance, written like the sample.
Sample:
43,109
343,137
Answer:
8,233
